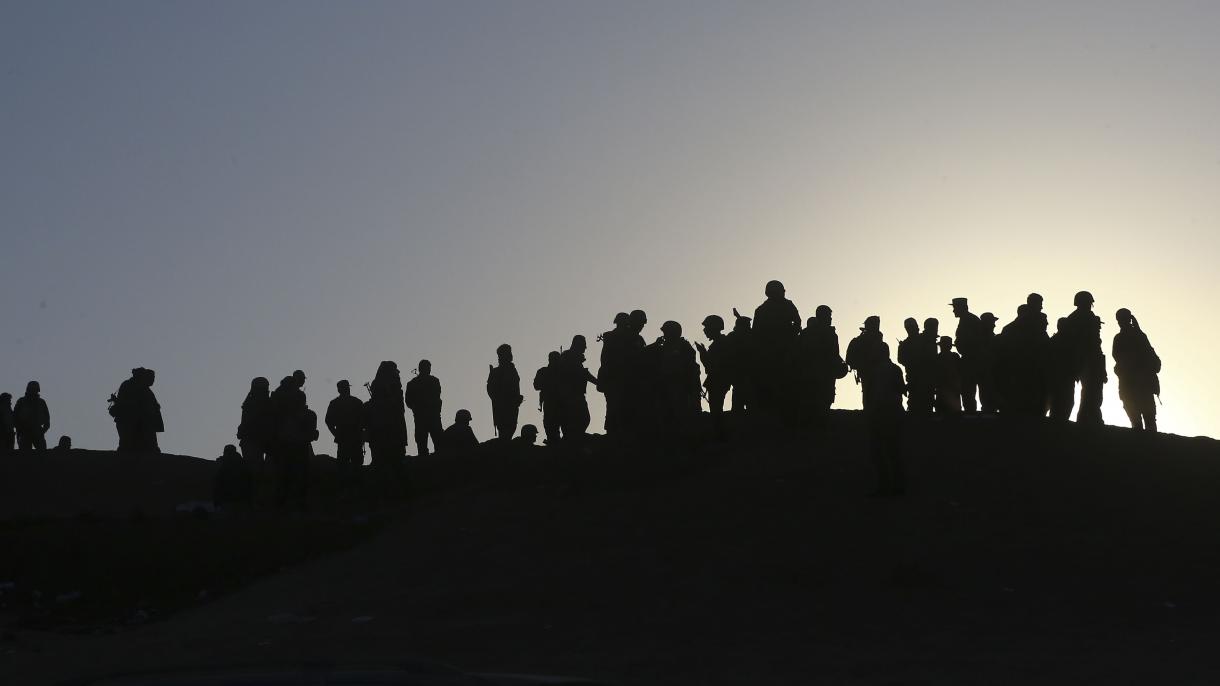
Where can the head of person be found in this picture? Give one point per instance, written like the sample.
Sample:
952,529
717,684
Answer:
671,330
504,353
622,320
638,320
529,433
872,324
6,399
1124,318
945,343
823,314
883,351
579,344
774,290
960,306
911,326
1034,300
148,376
260,384
298,377
1061,325
463,417
931,326
1083,300
713,325
65,443
741,323
425,367
553,357
387,371
344,387
32,389
230,452
988,320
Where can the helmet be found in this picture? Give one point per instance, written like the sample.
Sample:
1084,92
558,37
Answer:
822,312
671,328
1083,298
463,417
714,321
774,289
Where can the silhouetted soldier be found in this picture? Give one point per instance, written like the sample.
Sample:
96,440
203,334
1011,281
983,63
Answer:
296,430
612,374
777,323
31,419
8,430
232,485
458,440
256,433
883,415
913,355
423,396
1061,372
344,419
546,382
1023,350
1084,327
948,379
716,364
64,445
528,438
638,382
1136,365
989,396
137,414
386,419
969,342
679,378
740,343
821,365
504,389
864,351
572,384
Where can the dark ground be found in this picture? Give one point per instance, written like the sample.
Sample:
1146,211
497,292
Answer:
1021,554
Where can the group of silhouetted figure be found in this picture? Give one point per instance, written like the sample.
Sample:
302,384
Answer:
771,365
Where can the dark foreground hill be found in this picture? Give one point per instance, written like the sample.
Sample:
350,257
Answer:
1022,553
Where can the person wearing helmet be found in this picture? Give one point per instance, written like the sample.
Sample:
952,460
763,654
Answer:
504,389
31,419
572,382
740,358
1136,365
459,440
920,367
546,382
821,366
714,357
968,340
1084,328
777,323
612,374
1021,361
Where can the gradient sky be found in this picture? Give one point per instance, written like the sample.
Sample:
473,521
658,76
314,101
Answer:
223,190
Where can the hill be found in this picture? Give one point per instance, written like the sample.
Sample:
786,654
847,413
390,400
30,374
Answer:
1022,553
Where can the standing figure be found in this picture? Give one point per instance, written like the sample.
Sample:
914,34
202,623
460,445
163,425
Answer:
546,381
920,364
386,418
969,342
678,379
31,419
137,414
1136,365
1084,328
948,379
989,397
572,383
821,366
714,357
345,416
296,430
504,389
613,373
740,343
8,431
1060,372
423,396
883,416
864,351
777,323
256,431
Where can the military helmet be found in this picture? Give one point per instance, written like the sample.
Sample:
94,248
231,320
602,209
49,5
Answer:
872,323
715,321
463,417
987,317
822,311
774,289
1083,298
671,328
529,430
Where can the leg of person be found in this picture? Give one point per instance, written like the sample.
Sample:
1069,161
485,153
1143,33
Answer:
1090,402
1150,414
715,405
511,415
969,387
40,442
421,433
550,422
1134,412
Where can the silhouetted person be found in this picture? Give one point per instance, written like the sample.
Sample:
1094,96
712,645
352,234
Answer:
948,379
64,444
386,418
1021,362
137,414
740,343
969,343
883,416
8,429
257,430
572,383
777,323
1061,372
821,365
546,381
638,384
1084,328
504,389
716,364
31,419
678,378
296,430
459,440
528,438
615,369
989,395
1136,365
423,396
232,485
864,351
920,364
345,416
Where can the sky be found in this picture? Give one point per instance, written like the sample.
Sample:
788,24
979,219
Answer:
223,190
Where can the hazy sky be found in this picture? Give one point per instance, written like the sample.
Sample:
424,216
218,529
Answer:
223,190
